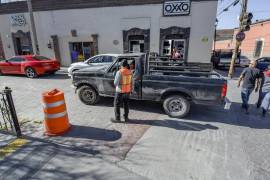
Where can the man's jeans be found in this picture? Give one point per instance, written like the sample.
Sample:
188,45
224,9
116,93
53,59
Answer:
261,97
245,93
119,99
266,101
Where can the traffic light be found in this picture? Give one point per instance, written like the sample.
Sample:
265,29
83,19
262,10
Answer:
246,21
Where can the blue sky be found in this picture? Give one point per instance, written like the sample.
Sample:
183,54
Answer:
259,8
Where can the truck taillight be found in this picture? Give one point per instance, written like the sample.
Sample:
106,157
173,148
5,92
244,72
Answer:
224,90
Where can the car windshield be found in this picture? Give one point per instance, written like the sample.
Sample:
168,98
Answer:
41,58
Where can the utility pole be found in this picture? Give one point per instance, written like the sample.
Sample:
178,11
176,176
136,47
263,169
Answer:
33,27
215,35
238,43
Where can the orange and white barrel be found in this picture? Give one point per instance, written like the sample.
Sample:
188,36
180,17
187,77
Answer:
56,117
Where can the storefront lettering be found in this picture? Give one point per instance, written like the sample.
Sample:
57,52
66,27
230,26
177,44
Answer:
173,8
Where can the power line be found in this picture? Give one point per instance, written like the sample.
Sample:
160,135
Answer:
234,3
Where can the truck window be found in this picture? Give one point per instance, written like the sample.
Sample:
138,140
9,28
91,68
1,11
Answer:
116,65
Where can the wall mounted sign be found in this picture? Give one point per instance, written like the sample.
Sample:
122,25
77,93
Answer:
176,8
18,20
115,42
205,39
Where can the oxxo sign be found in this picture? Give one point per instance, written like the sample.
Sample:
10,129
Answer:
176,8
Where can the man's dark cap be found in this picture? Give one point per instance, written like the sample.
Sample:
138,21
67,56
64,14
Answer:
124,63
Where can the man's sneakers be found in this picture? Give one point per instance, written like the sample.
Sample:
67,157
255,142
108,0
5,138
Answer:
126,119
113,120
263,112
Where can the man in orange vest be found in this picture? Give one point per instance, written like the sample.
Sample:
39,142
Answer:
123,84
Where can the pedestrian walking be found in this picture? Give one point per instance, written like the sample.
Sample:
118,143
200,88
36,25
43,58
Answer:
264,86
251,81
123,84
264,98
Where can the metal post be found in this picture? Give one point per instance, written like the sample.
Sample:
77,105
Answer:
8,91
215,37
237,44
33,27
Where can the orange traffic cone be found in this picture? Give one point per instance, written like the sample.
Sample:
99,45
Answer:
56,118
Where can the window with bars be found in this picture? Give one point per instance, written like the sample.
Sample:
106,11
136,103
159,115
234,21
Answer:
258,48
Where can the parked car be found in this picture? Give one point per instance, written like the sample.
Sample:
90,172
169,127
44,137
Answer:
175,88
222,58
263,63
30,65
99,60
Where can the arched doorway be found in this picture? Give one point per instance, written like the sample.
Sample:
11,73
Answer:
22,43
174,39
136,40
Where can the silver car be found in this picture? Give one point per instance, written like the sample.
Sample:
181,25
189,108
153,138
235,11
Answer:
99,60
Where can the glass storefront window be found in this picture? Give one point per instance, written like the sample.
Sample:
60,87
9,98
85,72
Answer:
136,46
175,48
80,51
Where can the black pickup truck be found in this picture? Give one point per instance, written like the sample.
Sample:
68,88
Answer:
176,85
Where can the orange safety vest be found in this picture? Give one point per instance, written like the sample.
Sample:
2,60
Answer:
126,80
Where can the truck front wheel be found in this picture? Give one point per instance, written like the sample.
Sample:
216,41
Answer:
88,95
176,106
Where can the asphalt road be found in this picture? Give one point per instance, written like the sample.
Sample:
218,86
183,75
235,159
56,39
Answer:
211,143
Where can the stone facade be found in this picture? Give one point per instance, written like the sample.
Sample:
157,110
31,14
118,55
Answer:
110,26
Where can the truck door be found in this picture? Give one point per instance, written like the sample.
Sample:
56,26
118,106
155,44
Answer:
108,81
137,79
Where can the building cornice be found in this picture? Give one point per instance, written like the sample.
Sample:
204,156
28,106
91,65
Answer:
49,5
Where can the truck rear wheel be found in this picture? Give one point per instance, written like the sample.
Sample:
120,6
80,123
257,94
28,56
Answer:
88,95
176,106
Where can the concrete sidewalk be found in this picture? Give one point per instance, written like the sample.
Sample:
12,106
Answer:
210,144
41,160
5,139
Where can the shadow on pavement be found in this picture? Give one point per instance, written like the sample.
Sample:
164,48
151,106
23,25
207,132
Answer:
234,116
144,106
54,76
174,124
93,133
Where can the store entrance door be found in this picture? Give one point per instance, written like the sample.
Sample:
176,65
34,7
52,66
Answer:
175,48
80,51
22,43
136,44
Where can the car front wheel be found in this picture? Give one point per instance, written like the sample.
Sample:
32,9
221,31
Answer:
30,72
88,95
176,106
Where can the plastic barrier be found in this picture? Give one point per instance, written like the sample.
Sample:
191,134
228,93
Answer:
56,118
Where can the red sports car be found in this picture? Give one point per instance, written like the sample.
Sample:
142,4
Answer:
30,65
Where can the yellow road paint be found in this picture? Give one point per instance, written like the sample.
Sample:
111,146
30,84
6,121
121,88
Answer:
12,147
